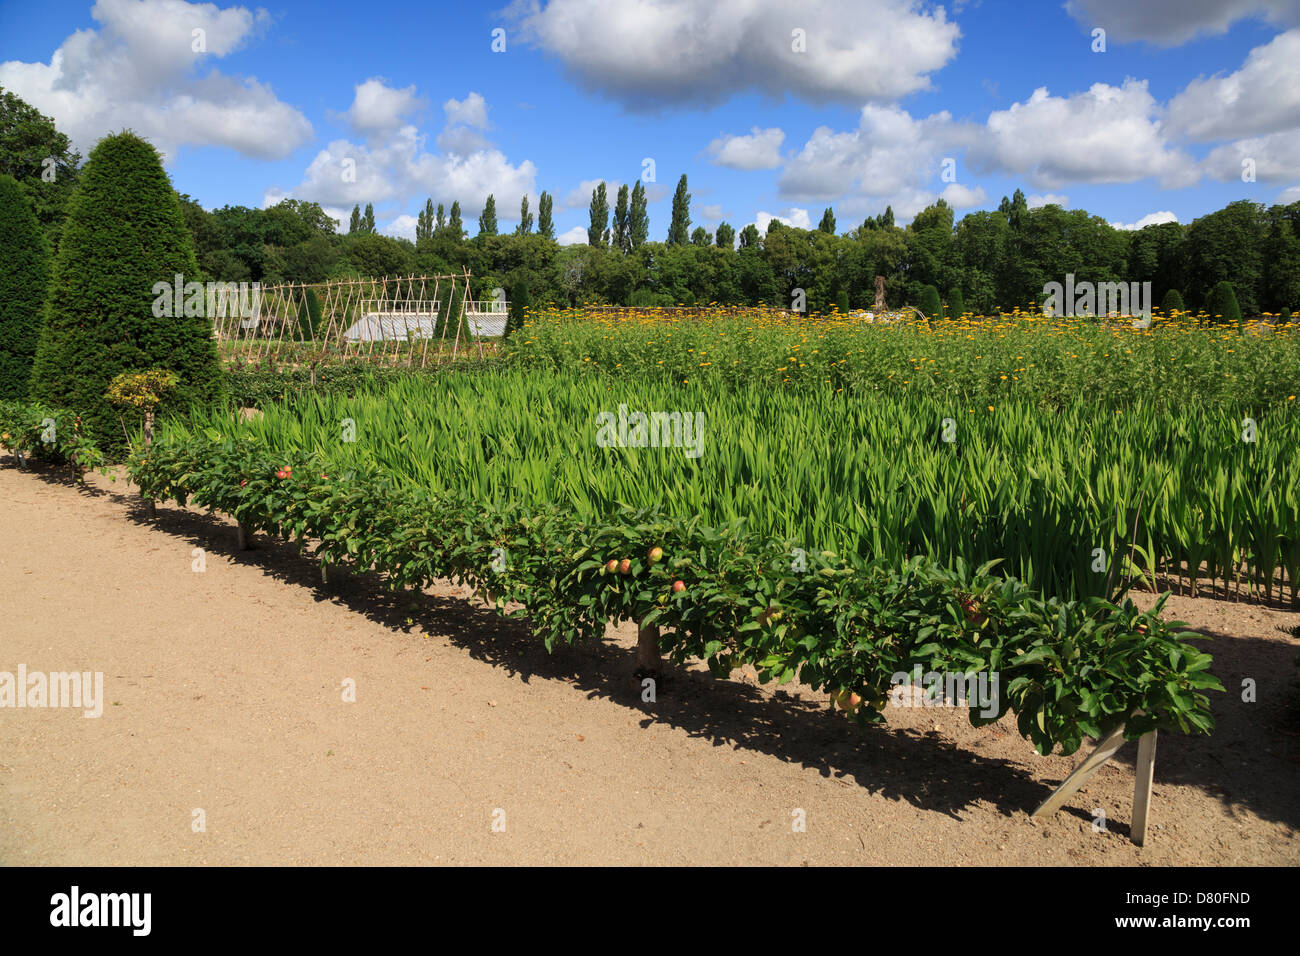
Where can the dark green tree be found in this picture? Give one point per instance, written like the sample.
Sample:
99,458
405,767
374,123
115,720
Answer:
354,224
679,226
525,219
700,236
725,237
842,301
828,221
956,304
25,253
424,222
368,220
111,306
597,231
622,237
455,227
749,237
36,154
638,218
545,224
928,302
309,316
519,303
1171,303
487,221
1222,304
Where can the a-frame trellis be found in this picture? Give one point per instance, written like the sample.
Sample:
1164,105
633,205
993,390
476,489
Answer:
394,320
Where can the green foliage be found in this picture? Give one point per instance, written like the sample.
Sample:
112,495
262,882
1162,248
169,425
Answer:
1172,303
123,237
1071,670
519,305
487,220
928,302
956,305
621,238
680,224
725,237
525,219
597,230
638,217
828,221
545,222
28,141
36,432
25,255
309,316
1222,304
842,301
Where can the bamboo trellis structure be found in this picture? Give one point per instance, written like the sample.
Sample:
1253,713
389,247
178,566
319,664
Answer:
389,319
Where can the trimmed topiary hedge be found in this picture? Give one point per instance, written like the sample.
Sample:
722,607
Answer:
24,275
123,236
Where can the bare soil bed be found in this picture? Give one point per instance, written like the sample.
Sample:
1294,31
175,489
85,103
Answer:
224,694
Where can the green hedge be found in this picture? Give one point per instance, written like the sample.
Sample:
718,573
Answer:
1067,669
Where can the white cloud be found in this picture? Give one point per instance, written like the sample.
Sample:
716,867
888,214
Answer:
400,171
794,216
1173,22
1289,195
1108,134
1151,219
402,227
577,236
1036,201
379,108
1261,97
760,149
137,70
579,196
963,197
649,55
888,154
1275,157
471,111
712,212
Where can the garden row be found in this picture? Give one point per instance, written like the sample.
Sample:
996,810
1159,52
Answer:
1024,358
836,622
1062,500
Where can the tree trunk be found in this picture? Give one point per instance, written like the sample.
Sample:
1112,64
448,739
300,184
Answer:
647,649
149,509
880,295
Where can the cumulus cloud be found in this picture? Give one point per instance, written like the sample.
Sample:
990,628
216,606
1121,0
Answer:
579,197
138,69
402,227
380,108
1151,219
1261,97
712,212
1035,201
1275,158
794,216
471,111
1173,22
963,197
882,158
577,236
1289,195
760,149
1107,134
650,55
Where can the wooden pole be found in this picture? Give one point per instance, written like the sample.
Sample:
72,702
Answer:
1146,768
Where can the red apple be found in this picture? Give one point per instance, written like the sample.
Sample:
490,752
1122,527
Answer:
611,565
656,555
625,566
679,587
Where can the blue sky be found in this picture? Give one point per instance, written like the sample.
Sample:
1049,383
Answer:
289,100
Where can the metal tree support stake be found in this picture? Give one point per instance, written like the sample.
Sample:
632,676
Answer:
150,509
1107,748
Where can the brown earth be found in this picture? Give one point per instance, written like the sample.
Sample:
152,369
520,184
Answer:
224,694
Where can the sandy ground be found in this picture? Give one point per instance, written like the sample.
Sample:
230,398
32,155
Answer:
224,694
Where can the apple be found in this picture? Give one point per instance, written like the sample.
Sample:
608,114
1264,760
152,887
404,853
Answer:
625,566
679,587
611,565
848,700
656,555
